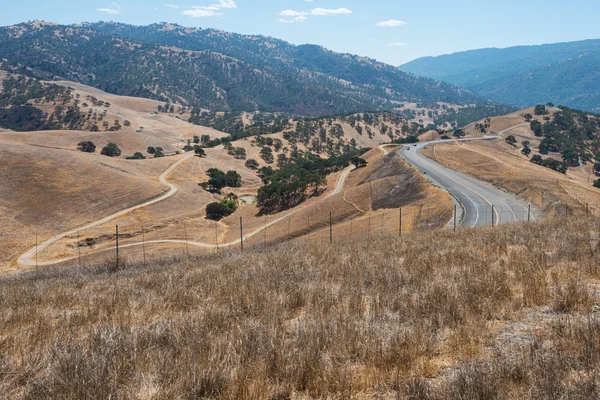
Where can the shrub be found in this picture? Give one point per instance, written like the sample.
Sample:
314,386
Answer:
137,156
252,164
86,147
218,211
111,150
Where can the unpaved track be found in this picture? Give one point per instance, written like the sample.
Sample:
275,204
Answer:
483,205
26,258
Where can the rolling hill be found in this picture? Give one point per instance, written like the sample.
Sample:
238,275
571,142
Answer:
214,70
565,73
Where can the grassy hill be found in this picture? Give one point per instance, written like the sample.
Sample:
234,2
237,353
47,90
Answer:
214,70
488,313
565,73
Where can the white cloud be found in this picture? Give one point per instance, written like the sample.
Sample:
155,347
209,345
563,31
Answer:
390,23
116,9
291,16
213,10
397,44
175,6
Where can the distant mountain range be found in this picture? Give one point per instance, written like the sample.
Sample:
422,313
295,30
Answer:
215,70
565,73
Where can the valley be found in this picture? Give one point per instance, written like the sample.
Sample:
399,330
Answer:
197,209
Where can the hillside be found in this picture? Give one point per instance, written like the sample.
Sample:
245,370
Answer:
80,188
490,313
214,70
548,159
564,73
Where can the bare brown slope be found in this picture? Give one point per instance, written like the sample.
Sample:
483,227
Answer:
46,190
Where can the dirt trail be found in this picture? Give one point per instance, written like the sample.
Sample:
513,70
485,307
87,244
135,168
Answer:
26,258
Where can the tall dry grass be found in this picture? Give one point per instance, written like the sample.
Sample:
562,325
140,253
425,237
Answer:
483,313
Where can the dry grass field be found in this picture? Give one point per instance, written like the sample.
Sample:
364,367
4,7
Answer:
368,203
501,312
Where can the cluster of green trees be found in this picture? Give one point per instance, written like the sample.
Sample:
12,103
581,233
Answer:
156,152
219,180
298,179
86,147
219,210
465,116
572,133
551,163
511,140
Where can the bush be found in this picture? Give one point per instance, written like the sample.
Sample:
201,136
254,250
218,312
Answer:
151,150
219,179
511,140
252,164
86,147
137,156
111,150
218,211
597,183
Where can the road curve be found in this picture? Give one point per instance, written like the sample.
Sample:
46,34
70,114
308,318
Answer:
482,204
25,259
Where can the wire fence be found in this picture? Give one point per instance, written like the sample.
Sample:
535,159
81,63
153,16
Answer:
133,242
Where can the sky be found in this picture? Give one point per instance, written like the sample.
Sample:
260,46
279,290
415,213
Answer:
391,31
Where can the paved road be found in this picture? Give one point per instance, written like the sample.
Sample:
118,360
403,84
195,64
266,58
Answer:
482,204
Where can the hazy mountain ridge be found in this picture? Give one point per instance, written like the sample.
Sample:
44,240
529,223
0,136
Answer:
565,73
215,70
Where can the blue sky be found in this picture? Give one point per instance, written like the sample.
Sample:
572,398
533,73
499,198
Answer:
392,31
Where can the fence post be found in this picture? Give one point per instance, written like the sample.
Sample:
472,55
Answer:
241,234
400,223
455,209
117,244
144,244
330,228
79,249
217,236
187,249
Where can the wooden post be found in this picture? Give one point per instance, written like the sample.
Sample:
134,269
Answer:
217,236
241,234
400,223
455,210
78,249
144,244
330,227
117,244
187,249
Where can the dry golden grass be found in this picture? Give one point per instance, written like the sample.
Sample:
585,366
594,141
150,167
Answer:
497,162
472,314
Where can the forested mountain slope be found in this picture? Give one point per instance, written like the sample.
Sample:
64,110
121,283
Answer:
214,70
565,73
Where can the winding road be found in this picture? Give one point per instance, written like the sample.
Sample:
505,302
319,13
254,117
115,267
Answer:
482,204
